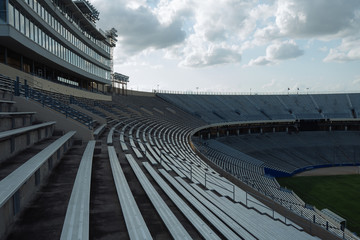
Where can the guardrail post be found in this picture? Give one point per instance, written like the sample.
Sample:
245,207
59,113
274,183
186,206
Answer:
26,88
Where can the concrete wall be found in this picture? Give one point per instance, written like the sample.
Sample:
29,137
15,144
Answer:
47,85
128,92
45,114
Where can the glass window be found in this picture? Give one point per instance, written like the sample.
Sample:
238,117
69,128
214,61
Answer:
31,28
42,14
36,5
27,27
43,39
3,12
40,37
46,41
22,23
11,15
36,39
52,48
16,19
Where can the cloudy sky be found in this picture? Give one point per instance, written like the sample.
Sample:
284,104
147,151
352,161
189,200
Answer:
236,45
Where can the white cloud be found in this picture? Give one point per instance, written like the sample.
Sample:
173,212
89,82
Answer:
260,61
283,50
308,18
139,28
278,51
199,33
349,50
213,55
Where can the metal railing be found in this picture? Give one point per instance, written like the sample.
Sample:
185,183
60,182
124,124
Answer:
48,101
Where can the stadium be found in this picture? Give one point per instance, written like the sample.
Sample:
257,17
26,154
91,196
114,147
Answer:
83,157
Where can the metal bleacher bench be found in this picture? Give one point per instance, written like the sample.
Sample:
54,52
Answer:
109,140
18,131
76,224
13,182
195,220
15,113
215,221
135,223
172,223
99,131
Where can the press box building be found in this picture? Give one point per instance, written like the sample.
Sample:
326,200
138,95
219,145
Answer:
55,40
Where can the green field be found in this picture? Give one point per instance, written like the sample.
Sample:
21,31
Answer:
340,194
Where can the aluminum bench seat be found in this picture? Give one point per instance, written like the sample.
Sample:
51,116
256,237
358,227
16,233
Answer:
135,223
190,214
172,223
76,224
99,131
214,220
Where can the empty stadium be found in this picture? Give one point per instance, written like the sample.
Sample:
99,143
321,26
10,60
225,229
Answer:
84,158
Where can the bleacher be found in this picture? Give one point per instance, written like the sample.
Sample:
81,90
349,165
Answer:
232,108
140,177
22,177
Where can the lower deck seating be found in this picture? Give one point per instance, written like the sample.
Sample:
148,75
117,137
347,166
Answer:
17,188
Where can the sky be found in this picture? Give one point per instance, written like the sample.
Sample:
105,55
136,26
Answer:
247,46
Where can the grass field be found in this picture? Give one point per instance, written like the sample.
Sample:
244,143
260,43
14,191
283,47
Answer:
340,194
